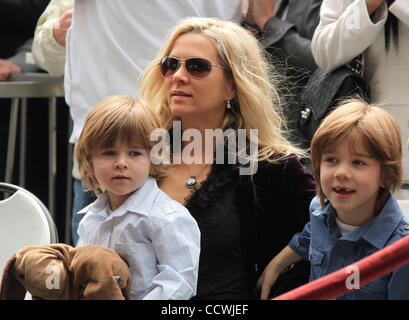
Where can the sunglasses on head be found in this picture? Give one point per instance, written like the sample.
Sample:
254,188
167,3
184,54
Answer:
196,67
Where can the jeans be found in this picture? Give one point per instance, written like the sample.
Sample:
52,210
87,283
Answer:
81,200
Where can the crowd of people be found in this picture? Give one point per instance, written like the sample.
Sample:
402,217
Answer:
189,160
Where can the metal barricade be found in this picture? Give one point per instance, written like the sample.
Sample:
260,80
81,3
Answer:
18,88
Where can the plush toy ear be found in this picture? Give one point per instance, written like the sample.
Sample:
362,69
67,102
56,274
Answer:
41,269
11,288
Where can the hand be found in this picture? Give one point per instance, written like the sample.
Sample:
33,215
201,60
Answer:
8,67
372,5
267,280
278,265
61,26
259,11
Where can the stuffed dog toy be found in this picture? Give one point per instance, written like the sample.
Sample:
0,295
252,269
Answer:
62,272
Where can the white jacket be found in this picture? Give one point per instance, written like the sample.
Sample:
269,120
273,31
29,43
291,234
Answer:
46,52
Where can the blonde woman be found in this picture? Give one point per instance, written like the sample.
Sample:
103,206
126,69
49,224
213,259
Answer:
212,75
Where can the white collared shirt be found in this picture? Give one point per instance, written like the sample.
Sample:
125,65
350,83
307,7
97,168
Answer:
155,234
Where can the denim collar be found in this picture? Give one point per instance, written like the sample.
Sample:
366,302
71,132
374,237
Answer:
377,231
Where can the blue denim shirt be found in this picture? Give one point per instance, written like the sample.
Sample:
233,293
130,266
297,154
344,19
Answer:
327,250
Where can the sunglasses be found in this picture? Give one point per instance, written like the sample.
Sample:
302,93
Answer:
196,67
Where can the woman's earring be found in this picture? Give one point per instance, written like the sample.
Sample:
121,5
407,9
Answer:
228,104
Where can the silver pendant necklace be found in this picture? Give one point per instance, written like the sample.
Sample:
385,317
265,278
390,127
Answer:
191,181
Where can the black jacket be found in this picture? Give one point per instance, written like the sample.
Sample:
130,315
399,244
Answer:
271,208
288,42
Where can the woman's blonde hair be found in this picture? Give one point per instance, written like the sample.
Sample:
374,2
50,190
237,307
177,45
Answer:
256,105
363,126
116,117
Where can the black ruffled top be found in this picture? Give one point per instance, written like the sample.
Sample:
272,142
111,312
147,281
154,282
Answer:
245,222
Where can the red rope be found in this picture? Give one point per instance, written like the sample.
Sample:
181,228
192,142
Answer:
370,268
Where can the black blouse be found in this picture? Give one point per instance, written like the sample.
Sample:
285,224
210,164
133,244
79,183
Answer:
245,223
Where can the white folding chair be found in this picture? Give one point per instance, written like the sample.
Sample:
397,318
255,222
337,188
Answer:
24,221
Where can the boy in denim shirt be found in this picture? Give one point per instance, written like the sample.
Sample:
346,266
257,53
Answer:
356,159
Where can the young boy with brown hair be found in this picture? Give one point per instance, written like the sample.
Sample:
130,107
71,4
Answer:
356,158
155,234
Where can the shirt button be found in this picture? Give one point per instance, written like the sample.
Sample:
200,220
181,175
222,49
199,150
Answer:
406,227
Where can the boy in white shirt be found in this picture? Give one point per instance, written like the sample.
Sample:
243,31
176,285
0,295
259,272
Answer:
155,234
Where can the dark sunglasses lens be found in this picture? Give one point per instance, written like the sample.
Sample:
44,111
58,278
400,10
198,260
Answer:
198,67
168,66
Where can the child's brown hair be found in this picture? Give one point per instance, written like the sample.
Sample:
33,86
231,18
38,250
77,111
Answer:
116,117
364,126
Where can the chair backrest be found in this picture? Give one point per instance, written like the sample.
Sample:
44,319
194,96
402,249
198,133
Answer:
24,221
404,205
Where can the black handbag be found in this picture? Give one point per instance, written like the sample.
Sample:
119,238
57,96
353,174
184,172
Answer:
324,90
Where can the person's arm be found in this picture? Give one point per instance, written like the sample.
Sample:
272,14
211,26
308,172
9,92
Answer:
297,249
60,28
176,242
17,63
280,221
400,9
8,67
346,29
284,38
372,5
278,265
259,11
48,48
20,58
